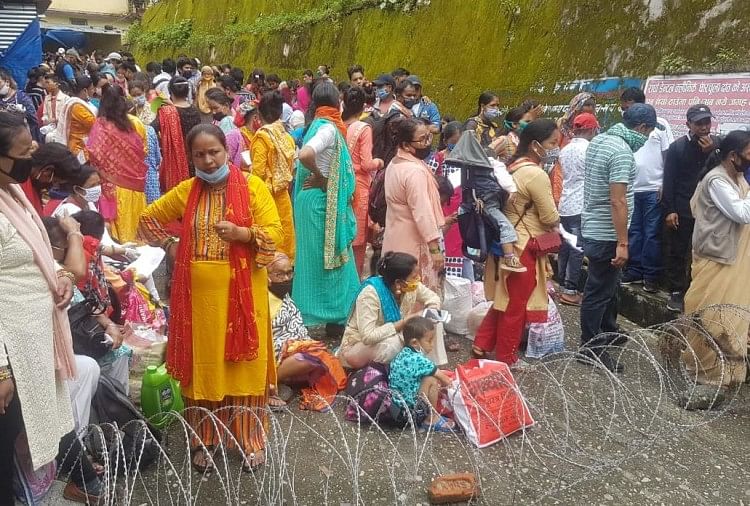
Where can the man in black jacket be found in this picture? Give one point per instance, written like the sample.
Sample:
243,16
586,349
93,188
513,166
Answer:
685,160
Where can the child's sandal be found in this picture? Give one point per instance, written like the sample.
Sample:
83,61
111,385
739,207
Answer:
513,264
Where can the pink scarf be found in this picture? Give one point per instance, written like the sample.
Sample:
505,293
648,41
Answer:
29,226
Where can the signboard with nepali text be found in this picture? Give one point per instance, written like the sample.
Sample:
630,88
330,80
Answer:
727,95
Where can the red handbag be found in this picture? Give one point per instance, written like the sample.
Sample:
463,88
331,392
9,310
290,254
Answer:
544,244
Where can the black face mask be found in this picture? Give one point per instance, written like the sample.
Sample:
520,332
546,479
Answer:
219,116
422,153
187,74
21,169
410,102
281,289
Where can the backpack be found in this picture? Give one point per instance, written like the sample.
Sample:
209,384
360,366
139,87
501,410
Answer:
369,396
140,439
383,143
377,206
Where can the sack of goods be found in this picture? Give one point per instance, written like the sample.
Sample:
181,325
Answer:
487,403
458,302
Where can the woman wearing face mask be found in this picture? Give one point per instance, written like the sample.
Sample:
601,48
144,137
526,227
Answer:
414,219
14,100
220,346
516,120
521,297
141,106
721,240
117,148
85,191
324,222
77,119
384,303
221,109
172,124
239,140
36,351
273,161
300,360
359,142
486,124
455,262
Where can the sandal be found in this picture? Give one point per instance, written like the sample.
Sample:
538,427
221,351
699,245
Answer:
478,353
276,404
513,264
253,461
443,425
202,468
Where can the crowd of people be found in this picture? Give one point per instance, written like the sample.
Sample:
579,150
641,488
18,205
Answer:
353,191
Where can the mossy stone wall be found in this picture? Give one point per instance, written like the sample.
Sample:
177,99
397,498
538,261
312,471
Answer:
461,47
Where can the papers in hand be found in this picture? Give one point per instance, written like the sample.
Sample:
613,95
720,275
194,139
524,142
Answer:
437,315
148,260
570,239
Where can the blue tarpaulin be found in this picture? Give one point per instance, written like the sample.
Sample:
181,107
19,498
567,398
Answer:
64,38
24,54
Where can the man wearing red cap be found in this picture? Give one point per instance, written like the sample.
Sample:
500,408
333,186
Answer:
573,164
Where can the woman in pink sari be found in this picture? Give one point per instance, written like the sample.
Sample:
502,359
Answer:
359,142
414,218
117,148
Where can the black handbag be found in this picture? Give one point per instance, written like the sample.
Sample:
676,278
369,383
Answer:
89,337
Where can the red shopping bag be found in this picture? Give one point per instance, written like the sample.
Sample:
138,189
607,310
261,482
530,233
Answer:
487,403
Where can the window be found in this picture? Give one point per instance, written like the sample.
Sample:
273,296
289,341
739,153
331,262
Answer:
79,21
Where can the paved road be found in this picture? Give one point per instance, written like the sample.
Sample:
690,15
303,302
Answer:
598,439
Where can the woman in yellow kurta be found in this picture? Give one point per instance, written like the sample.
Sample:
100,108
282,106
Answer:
273,160
220,346
117,148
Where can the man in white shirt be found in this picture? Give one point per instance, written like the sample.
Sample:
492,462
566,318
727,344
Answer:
573,164
644,235
161,80
54,102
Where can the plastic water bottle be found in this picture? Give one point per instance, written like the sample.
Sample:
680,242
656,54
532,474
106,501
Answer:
160,394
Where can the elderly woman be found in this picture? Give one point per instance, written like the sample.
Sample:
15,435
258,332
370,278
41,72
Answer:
301,360
324,221
414,219
220,346
521,297
721,240
36,350
384,303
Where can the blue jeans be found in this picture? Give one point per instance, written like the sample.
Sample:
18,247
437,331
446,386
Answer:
644,237
601,295
570,260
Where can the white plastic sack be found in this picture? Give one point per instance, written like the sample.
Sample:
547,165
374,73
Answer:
546,338
438,355
476,316
457,301
477,293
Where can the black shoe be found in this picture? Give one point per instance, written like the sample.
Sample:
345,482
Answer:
676,302
650,287
596,358
629,279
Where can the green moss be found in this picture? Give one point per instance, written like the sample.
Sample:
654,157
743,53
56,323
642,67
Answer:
516,47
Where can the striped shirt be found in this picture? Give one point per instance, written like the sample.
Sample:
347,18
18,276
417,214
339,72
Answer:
609,159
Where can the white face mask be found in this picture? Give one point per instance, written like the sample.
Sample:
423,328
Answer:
92,194
4,90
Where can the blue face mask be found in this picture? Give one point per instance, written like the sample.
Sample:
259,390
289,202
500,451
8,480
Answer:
450,146
215,177
381,93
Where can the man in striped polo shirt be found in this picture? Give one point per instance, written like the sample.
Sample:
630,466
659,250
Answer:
608,207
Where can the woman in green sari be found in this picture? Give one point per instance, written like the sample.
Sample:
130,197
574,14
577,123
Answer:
325,281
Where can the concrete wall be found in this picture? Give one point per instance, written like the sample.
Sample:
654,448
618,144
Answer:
119,7
519,48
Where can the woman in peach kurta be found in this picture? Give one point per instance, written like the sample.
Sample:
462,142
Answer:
414,217
273,152
219,368
359,142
